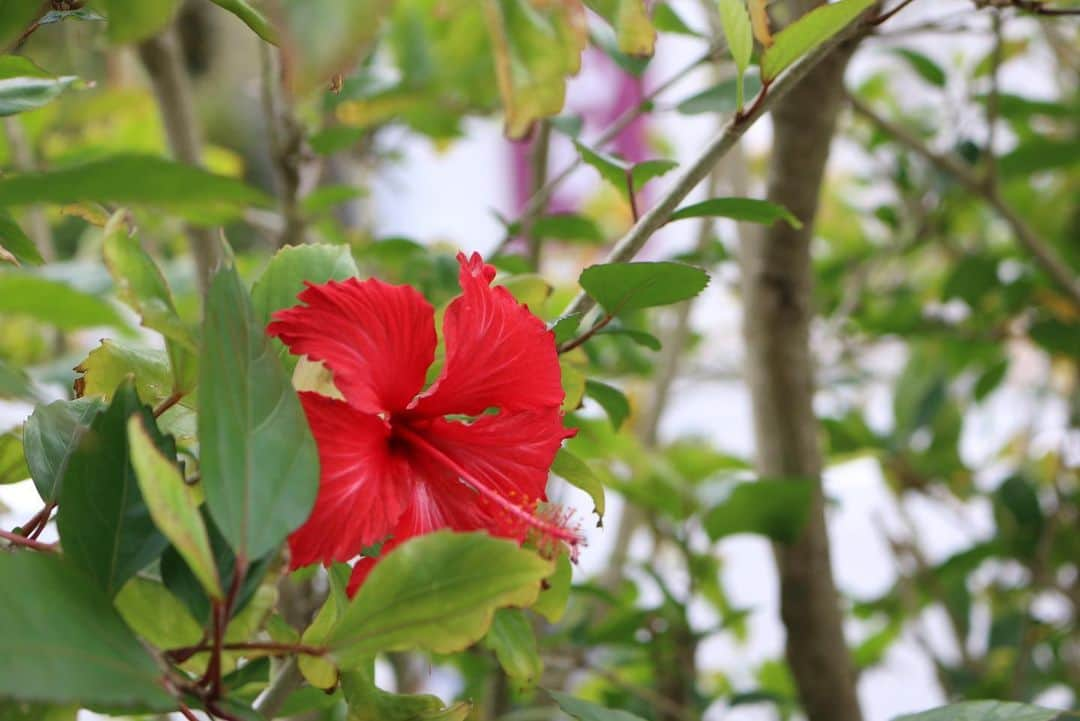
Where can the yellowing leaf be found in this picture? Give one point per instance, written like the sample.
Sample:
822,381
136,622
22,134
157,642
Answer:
759,17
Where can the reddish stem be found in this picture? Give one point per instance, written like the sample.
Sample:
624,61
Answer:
581,339
17,540
168,403
187,713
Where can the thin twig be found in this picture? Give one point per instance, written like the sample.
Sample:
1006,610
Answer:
1043,254
168,403
581,339
720,145
884,17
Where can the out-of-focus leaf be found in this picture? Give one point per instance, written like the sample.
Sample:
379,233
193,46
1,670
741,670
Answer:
512,639
51,435
612,169
53,302
16,242
436,592
571,468
15,18
620,287
156,615
588,711
777,508
1036,155
665,19
991,711
535,49
927,69
322,38
551,603
634,30
105,526
135,180
570,227
131,22
64,643
722,97
173,505
320,672
647,170
739,34
808,32
748,210
14,383
611,399
80,15
250,17
260,468
25,86
13,468
528,289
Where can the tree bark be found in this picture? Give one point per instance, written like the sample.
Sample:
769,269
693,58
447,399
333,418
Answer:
778,285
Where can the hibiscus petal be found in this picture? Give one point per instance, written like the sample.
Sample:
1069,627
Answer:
498,354
364,486
488,474
377,339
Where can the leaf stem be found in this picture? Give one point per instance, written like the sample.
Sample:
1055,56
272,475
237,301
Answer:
179,655
168,403
16,540
581,339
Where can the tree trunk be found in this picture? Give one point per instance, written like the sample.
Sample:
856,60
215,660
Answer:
778,284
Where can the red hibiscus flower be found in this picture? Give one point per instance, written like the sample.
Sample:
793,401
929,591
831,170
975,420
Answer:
471,452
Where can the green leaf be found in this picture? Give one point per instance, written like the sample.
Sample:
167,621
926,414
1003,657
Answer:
633,29
1039,154
777,508
80,15
647,170
53,302
110,363
611,399
576,471
551,603
15,18
13,468
142,287
926,68
722,97
250,17
50,438
992,711
156,615
25,86
16,711
668,21
284,276
173,505
14,383
747,210
436,592
620,287
105,526
640,337
589,711
570,227
565,327
319,671
735,20
808,32
368,702
260,468
529,289
131,22
16,242
512,639
612,169
134,180
64,643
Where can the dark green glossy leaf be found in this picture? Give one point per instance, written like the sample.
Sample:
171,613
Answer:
50,438
749,210
777,508
105,526
436,592
64,643
260,468
620,287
